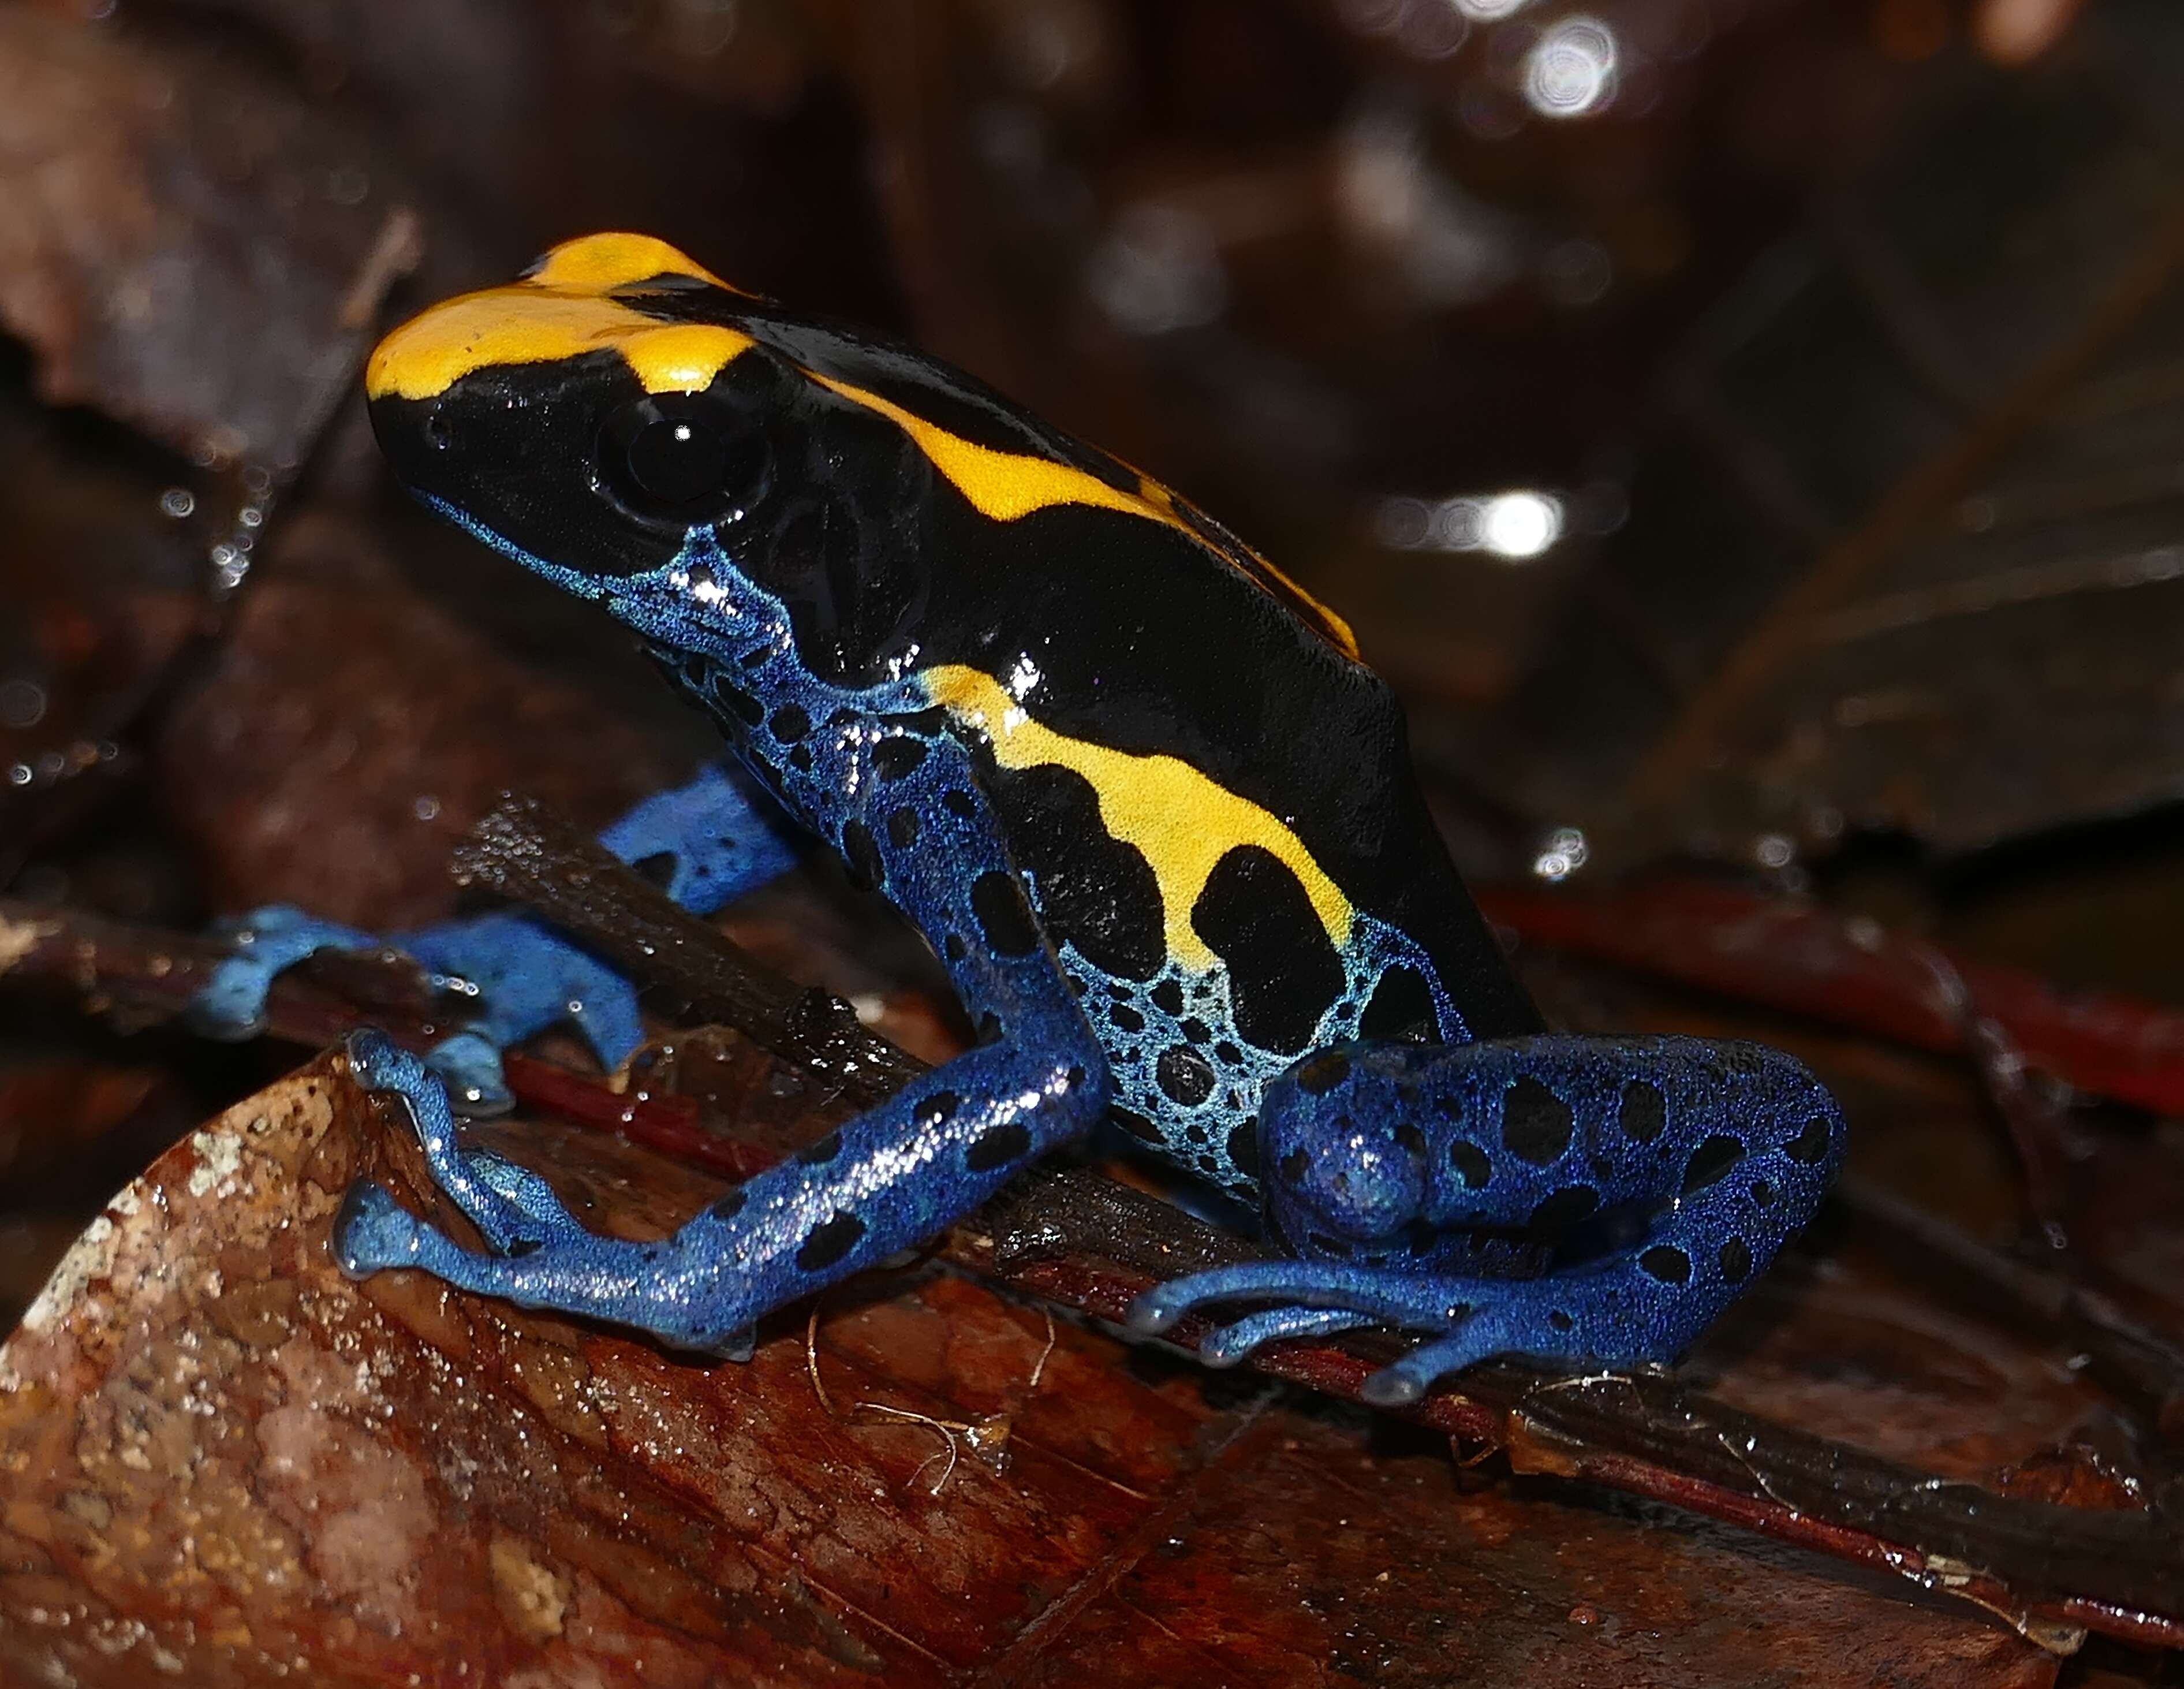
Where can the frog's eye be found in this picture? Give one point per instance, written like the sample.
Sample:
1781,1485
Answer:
677,456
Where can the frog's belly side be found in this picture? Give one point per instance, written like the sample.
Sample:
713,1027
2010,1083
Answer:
1187,1083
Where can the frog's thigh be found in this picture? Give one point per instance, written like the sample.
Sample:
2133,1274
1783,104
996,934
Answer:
1670,1170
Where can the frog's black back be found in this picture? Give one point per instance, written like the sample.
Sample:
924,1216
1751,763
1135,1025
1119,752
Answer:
1148,637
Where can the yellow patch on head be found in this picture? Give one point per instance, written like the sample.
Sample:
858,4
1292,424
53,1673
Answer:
564,309
1179,820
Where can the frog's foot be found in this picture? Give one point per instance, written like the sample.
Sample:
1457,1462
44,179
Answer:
526,978
1626,1307
513,1209
540,1257
231,1002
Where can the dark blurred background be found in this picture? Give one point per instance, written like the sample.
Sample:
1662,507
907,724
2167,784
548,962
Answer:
1744,430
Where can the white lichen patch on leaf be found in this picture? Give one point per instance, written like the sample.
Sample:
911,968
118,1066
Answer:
220,1158
534,1598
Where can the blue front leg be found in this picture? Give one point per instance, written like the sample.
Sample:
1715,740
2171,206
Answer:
711,841
892,1177
1665,1173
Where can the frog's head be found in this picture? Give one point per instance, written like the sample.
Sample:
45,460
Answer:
589,416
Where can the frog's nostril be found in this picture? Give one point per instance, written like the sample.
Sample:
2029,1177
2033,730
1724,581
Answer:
438,434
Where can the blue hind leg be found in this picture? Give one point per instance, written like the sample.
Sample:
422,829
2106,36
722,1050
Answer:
710,841
1666,1172
892,1177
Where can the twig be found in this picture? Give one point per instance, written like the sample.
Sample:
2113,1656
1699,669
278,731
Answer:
1791,955
526,853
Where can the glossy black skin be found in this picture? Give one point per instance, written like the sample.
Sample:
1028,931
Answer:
1146,639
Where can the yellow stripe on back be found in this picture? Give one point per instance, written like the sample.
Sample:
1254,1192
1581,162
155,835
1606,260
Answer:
1007,485
1178,819
1003,485
564,309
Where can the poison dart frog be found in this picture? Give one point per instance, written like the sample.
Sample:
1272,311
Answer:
1134,786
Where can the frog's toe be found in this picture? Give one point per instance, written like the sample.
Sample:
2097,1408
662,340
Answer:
1404,1383
1391,1298
373,1231
525,1192
1232,1343
231,1004
468,1064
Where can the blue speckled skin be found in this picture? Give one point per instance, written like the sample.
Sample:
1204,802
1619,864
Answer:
1330,1036
718,840
891,1177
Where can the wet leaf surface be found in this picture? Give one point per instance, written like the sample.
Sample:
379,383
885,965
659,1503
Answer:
220,1456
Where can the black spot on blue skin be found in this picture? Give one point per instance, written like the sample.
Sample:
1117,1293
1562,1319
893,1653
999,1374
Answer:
1244,1147
1134,1123
1167,997
830,1240
960,803
755,657
730,1205
731,697
1184,1075
1643,1112
1667,1263
1094,891
1284,973
861,853
998,902
988,1027
1126,1018
1570,1206
936,1110
1195,1030
1450,1105
1401,1009
1471,1163
1226,1053
1810,1146
657,870
799,759
1411,1138
1295,1165
1561,1321
1762,1194
788,724
952,947
1536,1123
895,758
819,1154
1710,1162
521,1246
902,828
1322,1073
1735,1261
997,1147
